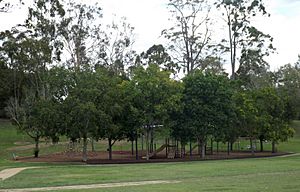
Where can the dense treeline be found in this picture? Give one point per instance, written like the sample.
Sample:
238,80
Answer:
63,74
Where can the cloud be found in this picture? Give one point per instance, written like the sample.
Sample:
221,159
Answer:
283,26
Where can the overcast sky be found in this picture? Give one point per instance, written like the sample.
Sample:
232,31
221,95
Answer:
150,17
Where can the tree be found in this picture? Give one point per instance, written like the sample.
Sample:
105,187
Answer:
207,100
5,5
89,43
153,94
37,116
288,81
247,115
79,34
158,55
115,50
253,71
190,36
241,34
81,114
132,119
42,22
110,102
274,125
30,59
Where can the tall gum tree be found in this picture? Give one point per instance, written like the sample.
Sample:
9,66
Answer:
238,15
190,35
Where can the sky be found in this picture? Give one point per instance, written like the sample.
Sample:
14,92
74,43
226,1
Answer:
150,17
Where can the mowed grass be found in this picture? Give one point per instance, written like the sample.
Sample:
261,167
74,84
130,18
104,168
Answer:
263,174
273,174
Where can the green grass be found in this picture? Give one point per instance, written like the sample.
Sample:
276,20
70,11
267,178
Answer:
232,174
263,174
293,145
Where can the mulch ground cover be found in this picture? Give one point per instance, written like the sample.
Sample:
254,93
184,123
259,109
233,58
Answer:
125,157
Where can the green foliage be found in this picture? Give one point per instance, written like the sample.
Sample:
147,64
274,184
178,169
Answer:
288,80
207,109
241,34
154,94
272,115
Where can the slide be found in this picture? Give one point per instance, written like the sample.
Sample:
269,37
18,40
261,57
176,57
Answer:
160,149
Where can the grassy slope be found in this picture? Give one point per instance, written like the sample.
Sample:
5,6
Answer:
267,174
8,136
293,145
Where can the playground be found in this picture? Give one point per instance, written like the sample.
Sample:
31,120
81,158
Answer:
60,170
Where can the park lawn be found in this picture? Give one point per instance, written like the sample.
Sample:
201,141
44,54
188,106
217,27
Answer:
263,174
244,175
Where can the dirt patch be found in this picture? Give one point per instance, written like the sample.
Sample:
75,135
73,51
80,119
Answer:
32,146
22,143
124,157
7,173
94,186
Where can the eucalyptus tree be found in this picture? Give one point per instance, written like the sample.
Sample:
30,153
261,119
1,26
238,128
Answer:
12,65
158,55
78,32
6,86
241,34
6,5
30,49
115,49
254,72
89,42
190,35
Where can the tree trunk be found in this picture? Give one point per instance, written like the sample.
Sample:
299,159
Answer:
261,145
136,148
231,146
203,149
132,147
191,152
251,146
36,149
228,148
211,146
199,148
151,141
147,143
167,147
182,151
93,145
142,141
176,149
84,151
109,149
274,150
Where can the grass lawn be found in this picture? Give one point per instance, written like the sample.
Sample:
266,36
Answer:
263,174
